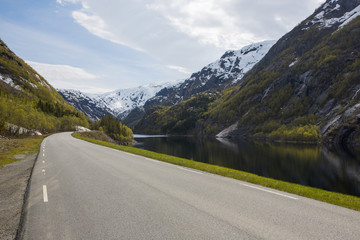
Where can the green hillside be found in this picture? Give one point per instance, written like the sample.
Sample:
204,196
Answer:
29,101
181,118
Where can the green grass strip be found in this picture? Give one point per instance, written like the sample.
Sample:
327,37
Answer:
16,149
339,199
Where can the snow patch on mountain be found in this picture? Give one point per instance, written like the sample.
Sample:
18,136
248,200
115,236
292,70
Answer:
349,16
10,82
327,18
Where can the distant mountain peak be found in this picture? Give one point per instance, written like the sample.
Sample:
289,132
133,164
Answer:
235,63
92,107
122,101
117,103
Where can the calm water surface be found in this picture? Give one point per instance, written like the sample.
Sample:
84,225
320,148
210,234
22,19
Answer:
305,164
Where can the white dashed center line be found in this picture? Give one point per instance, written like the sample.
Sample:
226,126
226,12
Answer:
45,193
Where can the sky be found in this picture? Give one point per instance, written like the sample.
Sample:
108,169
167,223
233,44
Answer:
97,46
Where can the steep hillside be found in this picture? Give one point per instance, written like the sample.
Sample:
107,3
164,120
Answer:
28,100
305,88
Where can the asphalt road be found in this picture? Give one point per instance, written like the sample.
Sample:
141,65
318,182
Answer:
83,191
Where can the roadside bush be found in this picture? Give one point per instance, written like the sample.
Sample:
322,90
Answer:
296,133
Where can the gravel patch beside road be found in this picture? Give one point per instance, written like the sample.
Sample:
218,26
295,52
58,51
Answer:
14,179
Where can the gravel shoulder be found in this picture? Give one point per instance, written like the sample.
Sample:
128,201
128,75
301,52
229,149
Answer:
14,179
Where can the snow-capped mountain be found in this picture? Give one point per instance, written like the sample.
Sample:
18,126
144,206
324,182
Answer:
222,73
93,107
117,103
122,101
235,63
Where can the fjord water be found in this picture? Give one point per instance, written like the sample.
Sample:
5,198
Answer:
305,164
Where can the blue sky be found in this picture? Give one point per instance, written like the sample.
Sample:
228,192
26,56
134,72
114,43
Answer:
98,46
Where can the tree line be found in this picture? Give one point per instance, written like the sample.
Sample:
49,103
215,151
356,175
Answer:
114,128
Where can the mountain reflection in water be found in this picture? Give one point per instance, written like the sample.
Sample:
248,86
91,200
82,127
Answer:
305,164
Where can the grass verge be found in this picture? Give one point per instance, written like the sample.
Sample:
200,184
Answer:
339,199
16,149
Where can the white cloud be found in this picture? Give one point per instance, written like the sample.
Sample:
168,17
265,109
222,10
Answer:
179,69
69,77
190,33
93,23
56,72
97,26
205,20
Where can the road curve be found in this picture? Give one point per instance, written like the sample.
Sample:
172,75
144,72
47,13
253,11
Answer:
79,190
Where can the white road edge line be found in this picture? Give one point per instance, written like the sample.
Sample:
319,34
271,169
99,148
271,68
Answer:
133,155
45,193
189,170
269,191
153,160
